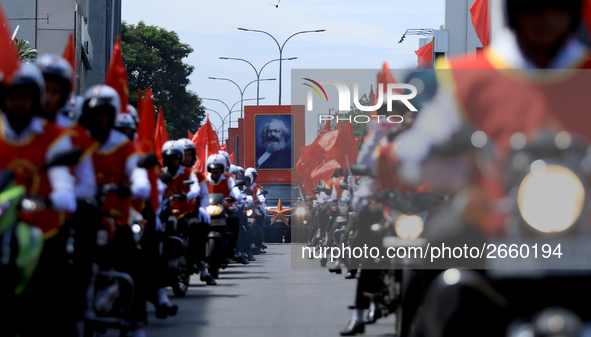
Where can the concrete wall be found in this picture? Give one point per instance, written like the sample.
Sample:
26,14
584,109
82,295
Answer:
462,36
104,27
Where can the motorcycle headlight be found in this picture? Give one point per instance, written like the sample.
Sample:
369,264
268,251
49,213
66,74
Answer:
136,228
214,210
249,212
300,211
551,198
409,227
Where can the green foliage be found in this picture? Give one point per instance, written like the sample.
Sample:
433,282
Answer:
359,129
24,51
153,58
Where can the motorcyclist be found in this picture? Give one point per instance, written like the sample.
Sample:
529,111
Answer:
525,50
126,124
220,182
116,164
195,221
27,143
190,152
58,73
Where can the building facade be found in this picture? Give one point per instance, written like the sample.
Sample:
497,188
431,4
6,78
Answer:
48,24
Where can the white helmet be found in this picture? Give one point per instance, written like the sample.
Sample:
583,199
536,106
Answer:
54,66
228,161
216,161
187,144
248,175
29,75
102,96
172,148
125,121
234,169
133,113
253,172
73,108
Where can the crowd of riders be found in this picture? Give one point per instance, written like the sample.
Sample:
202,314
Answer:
90,192
442,174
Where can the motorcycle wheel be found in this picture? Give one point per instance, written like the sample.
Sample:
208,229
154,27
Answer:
215,258
181,286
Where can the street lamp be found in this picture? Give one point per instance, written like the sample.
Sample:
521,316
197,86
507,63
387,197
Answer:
229,114
258,72
281,47
242,90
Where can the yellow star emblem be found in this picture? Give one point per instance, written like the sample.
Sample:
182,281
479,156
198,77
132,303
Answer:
279,214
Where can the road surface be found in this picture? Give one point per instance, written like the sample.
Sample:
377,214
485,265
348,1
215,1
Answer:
266,298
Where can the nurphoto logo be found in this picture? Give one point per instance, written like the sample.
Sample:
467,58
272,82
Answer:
393,93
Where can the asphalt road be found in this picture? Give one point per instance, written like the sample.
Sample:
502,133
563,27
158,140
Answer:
266,298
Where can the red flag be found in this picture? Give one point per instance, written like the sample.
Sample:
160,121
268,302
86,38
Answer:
224,148
70,56
425,56
232,157
325,171
190,134
161,134
481,20
345,149
117,75
9,60
206,137
145,133
384,77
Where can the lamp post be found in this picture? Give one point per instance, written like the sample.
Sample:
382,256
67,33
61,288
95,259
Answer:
229,114
241,90
281,47
257,72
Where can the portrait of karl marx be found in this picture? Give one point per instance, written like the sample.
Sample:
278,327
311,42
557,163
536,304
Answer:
275,152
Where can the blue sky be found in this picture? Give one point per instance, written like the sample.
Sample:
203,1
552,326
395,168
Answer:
359,35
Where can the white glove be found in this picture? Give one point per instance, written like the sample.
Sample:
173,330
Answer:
63,201
140,191
204,216
192,195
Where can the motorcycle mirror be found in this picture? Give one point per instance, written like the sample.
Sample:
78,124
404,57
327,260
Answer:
230,199
361,170
344,186
166,177
264,192
247,191
188,182
315,191
326,190
66,158
149,160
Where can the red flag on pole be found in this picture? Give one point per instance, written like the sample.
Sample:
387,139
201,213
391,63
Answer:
425,56
480,12
9,59
232,158
161,134
206,143
345,149
117,75
325,171
70,56
145,133
190,134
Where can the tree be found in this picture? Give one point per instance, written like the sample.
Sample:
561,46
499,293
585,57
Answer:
359,129
153,58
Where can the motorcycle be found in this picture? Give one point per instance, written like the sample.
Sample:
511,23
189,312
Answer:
405,216
175,244
218,252
532,275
